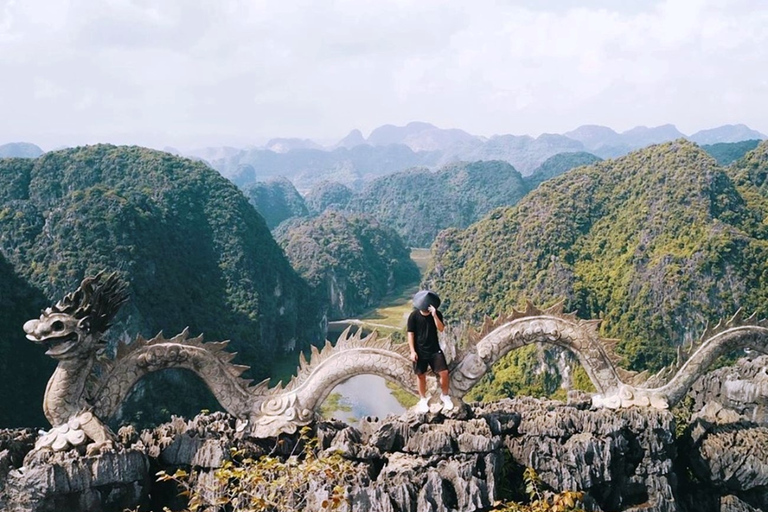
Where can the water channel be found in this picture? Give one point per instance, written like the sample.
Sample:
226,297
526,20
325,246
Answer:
369,395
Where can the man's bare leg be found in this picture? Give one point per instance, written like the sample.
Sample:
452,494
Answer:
421,381
445,383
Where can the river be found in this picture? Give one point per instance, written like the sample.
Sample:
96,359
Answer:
369,395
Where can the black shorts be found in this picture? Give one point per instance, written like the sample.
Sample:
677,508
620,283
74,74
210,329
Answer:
435,361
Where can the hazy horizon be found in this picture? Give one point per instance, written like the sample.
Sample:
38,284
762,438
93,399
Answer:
189,74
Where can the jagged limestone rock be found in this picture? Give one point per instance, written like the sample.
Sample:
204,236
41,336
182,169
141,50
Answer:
76,483
742,388
733,504
625,460
732,456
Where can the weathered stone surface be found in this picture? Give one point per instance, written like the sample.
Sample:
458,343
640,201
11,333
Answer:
76,484
626,460
621,459
732,456
733,504
742,387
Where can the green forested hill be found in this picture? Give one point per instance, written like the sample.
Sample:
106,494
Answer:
193,250
276,200
352,261
21,362
557,165
657,243
728,152
419,203
328,195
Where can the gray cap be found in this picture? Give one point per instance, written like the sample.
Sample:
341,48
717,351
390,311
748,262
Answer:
425,298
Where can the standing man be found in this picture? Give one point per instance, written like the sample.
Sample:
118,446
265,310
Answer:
424,323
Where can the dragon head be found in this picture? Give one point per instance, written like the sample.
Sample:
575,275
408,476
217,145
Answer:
73,327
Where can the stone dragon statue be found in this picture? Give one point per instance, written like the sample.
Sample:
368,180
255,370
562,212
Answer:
87,386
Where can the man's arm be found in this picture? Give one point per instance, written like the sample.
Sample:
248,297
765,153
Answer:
412,344
438,320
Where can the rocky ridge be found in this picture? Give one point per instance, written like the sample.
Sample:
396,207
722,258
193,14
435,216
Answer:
465,460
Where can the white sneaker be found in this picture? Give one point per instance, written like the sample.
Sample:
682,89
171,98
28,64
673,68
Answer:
447,402
423,405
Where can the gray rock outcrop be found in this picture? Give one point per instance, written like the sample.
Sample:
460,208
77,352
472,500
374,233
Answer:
465,460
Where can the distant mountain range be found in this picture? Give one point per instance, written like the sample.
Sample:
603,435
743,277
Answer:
416,203
20,150
356,160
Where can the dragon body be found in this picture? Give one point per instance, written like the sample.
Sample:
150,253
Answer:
87,387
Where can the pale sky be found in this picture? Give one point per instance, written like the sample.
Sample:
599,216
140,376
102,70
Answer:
190,73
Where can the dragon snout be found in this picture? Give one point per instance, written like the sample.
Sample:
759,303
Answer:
31,327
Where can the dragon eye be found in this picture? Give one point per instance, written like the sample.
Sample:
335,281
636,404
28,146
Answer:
58,325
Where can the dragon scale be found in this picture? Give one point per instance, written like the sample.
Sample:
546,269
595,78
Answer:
208,360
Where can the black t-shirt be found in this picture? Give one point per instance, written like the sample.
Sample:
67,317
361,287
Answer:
425,332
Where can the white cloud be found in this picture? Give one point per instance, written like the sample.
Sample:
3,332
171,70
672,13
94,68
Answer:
189,72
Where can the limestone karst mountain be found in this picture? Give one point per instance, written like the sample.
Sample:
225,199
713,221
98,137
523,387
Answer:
419,203
355,160
351,260
328,195
559,164
657,243
728,152
276,200
20,150
284,145
22,365
353,138
195,252
727,133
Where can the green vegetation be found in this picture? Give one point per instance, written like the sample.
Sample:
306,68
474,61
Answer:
310,479
276,200
728,152
192,249
351,261
542,500
656,243
559,164
333,404
21,362
328,195
271,483
419,203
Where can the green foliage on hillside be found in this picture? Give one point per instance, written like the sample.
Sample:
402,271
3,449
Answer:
328,195
194,252
656,243
352,261
276,200
559,164
728,152
21,363
419,203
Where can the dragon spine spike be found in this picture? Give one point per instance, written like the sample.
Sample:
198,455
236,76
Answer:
261,388
530,309
736,319
217,346
556,308
237,370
